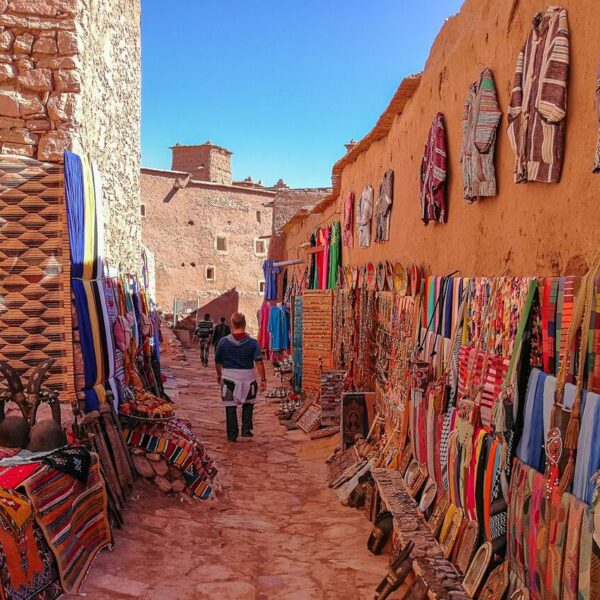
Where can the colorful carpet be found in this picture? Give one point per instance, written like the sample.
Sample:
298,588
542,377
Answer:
27,566
73,519
176,442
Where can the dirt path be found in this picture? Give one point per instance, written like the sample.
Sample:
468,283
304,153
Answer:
275,532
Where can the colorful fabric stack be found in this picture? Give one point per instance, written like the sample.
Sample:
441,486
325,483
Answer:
175,441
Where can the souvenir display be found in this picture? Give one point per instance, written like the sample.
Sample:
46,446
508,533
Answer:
348,221
428,495
450,529
371,277
477,570
439,513
497,583
389,275
415,280
400,280
381,276
467,544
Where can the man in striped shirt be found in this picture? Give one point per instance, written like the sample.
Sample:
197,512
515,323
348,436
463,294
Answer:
204,332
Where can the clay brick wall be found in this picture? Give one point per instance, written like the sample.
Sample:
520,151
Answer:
204,162
70,79
180,228
531,229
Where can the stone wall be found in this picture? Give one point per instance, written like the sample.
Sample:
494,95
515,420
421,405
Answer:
70,76
180,228
205,162
531,229
109,117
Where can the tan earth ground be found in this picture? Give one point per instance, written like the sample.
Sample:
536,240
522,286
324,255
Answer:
276,531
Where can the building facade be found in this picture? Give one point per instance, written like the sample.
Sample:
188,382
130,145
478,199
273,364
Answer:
209,234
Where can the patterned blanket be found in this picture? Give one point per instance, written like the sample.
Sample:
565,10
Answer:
73,518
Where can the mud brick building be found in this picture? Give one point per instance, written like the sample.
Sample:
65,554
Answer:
209,234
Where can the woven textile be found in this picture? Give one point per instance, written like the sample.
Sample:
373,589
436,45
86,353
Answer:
27,567
471,378
538,103
35,304
175,441
73,519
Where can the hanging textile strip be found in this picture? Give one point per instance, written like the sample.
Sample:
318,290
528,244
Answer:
550,297
557,540
537,540
586,544
587,461
570,575
74,195
529,410
73,518
593,367
491,472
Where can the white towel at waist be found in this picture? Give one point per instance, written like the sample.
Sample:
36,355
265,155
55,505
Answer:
243,379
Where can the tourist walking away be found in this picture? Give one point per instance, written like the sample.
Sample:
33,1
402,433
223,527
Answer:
204,332
221,330
236,357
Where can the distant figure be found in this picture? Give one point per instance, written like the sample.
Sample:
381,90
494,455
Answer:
221,330
204,332
235,358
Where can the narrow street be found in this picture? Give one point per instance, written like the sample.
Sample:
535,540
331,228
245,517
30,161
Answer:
275,531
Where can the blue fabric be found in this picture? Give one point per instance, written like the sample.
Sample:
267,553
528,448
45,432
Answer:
279,328
535,452
90,369
237,354
523,446
75,211
270,272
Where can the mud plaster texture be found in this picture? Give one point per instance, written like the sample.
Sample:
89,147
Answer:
528,229
275,532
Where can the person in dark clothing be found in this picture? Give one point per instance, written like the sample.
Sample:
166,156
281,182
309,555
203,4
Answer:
221,330
204,332
235,358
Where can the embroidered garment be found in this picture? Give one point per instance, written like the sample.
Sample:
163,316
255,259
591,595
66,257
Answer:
538,104
348,221
434,171
365,214
279,328
383,207
480,123
74,461
270,272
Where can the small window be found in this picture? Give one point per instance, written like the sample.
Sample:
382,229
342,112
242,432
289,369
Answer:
261,287
221,244
260,248
258,216
210,273
143,210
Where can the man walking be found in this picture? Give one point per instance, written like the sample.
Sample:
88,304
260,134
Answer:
204,332
235,358
221,330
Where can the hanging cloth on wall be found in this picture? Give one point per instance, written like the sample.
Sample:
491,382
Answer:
383,207
480,123
348,221
434,171
364,216
270,272
538,103
334,255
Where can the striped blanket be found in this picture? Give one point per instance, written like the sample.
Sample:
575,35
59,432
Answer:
73,518
175,441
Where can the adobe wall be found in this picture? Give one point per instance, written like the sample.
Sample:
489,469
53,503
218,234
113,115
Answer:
70,76
538,229
180,228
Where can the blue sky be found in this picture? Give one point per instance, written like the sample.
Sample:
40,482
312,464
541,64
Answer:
283,85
